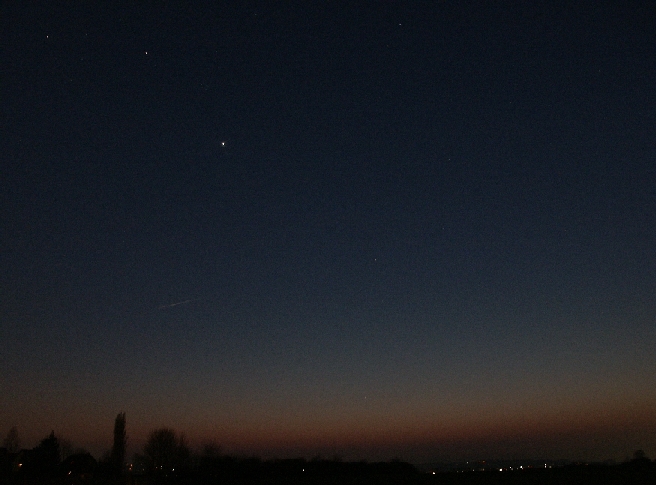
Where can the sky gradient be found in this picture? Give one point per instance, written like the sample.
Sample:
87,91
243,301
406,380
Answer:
371,230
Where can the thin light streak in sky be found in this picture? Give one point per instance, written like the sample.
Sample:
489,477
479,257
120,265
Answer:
171,305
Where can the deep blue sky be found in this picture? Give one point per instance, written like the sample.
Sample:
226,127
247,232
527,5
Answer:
420,230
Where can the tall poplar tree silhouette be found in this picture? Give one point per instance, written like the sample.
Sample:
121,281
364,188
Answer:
120,443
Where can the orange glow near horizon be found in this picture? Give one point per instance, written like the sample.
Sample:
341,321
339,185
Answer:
590,434
613,431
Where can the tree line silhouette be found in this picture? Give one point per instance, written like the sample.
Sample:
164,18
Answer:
167,458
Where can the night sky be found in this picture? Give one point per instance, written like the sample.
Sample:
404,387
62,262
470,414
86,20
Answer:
423,230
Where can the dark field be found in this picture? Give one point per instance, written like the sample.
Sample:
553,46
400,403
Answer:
300,472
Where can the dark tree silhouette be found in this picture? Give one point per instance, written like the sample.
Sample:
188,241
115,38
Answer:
161,449
12,441
210,450
47,454
639,455
183,454
120,443
209,461
166,452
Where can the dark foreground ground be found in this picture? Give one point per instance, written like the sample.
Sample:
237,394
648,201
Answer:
635,472
592,475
